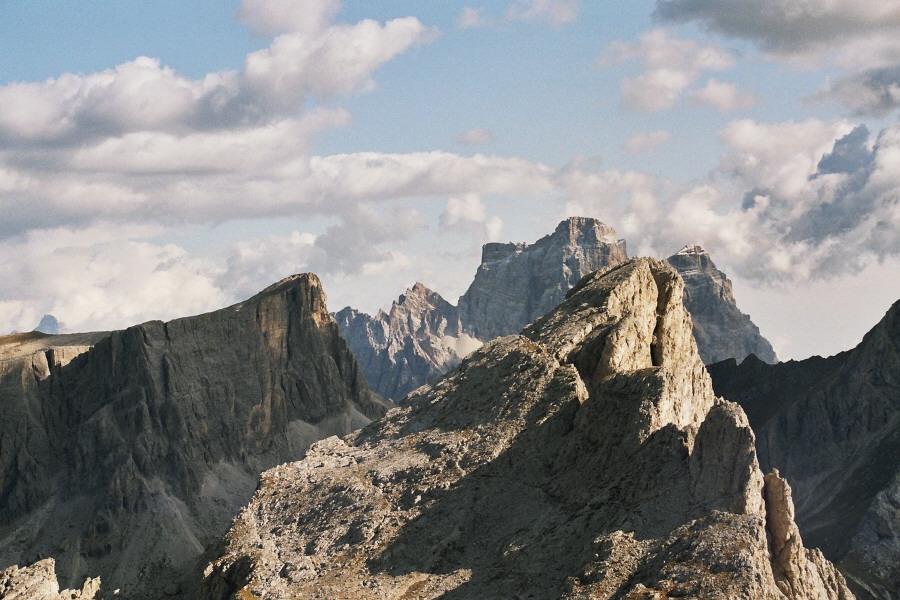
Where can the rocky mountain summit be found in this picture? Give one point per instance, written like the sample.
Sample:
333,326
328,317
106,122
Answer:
721,329
419,339
832,427
125,454
517,283
423,335
586,457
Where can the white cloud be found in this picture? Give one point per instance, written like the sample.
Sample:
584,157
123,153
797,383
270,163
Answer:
671,67
284,16
93,279
142,95
862,37
555,12
473,137
723,96
468,213
646,142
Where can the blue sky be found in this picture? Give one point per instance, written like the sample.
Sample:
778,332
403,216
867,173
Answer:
167,158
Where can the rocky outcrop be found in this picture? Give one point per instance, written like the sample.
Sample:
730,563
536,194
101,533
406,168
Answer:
38,582
721,329
423,335
418,340
127,458
832,427
517,283
586,457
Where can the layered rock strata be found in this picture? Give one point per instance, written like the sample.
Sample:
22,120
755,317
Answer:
416,341
586,457
422,336
832,427
722,331
127,458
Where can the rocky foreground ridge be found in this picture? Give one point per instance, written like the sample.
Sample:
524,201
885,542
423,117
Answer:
125,454
832,427
423,336
586,457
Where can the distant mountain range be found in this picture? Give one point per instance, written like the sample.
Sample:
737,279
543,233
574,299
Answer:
422,335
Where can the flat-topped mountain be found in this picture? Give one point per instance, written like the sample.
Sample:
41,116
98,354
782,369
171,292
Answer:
832,427
586,457
423,335
517,283
721,329
125,454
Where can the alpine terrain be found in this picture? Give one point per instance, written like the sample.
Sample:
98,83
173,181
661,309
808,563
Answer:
586,457
832,427
423,336
124,455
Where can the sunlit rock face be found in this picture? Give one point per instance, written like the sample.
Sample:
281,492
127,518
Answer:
422,336
125,454
721,329
832,427
585,457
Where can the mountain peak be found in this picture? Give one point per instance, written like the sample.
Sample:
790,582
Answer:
577,228
692,249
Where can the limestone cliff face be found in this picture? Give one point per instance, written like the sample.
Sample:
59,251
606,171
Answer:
38,582
517,283
586,457
423,335
832,427
419,339
721,329
126,459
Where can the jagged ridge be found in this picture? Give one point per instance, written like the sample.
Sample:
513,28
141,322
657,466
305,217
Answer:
832,426
584,458
146,444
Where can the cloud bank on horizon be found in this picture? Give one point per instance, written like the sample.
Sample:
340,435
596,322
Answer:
113,184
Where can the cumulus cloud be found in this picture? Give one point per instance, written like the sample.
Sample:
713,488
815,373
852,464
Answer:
723,96
473,137
142,95
861,37
288,16
99,280
468,213
671,67
789,202
472,18
871,92
646,142
555,12
786,27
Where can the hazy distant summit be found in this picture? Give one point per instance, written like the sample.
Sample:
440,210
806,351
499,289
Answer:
50,324
423,335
